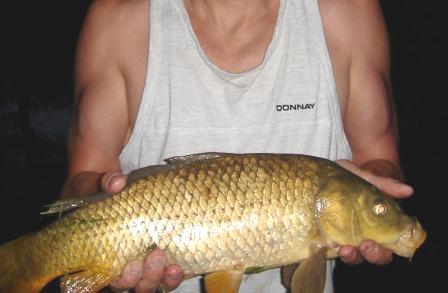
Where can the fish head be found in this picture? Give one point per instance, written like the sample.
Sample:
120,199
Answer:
350,210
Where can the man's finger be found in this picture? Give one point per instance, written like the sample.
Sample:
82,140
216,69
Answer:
392,187
349,255
113,182
130,276
172,277
387,185
349,165
153,270
375,254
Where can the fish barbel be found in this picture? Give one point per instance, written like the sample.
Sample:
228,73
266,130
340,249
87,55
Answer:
214,214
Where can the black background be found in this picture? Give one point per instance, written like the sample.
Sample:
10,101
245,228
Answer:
38,41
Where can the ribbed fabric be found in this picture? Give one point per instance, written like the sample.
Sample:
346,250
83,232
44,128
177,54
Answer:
287,104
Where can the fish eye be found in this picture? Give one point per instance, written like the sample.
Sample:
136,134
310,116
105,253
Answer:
379,207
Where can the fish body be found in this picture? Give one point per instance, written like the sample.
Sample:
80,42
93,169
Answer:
214,213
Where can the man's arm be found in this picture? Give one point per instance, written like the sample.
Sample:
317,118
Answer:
100,123
101,126
370,121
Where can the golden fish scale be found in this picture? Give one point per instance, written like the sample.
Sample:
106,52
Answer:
225,213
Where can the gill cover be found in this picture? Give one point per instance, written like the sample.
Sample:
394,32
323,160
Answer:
336,210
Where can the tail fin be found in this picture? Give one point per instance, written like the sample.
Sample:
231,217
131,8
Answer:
12,273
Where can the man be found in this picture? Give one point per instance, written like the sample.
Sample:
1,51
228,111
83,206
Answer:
170,77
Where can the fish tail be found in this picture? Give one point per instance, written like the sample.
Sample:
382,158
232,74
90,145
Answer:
14,275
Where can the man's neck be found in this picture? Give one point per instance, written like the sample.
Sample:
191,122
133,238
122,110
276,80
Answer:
230,15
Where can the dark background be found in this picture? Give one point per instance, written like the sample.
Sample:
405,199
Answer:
38,41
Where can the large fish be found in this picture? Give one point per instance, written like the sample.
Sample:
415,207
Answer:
218,215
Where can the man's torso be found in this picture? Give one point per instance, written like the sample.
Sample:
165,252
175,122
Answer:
134,48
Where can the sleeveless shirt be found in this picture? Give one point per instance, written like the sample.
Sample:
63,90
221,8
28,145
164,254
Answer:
287,104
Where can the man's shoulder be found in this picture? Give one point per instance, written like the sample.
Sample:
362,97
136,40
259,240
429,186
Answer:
112,23
119,3
348,3
348,8
112,31
347,20
119,10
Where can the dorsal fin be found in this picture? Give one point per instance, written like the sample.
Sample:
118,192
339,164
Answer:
144,172
171,164
67,204
189,159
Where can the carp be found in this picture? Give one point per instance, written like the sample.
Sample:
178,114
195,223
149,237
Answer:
214,214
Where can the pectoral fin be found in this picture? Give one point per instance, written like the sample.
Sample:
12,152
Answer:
223,282
287,272
85,281
310,276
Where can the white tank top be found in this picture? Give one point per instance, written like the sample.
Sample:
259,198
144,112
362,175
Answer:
287,104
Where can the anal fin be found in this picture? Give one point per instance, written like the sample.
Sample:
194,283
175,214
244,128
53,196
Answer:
87,281
223,282
310,276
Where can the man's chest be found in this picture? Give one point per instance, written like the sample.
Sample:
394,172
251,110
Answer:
242,53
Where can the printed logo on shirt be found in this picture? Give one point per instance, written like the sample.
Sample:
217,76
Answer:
294,107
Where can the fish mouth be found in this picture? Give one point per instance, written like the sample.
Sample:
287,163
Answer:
409,241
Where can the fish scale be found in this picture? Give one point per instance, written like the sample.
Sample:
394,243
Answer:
209,213
254,181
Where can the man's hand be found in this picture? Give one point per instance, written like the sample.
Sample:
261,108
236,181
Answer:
370,250
148,275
